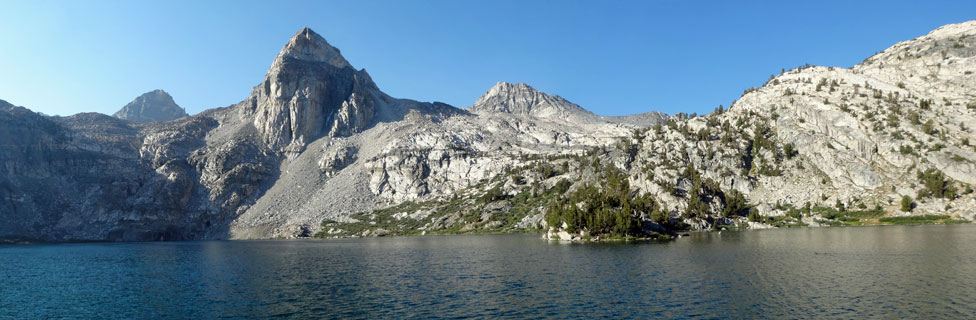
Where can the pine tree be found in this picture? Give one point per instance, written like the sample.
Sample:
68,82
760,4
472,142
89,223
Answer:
906,204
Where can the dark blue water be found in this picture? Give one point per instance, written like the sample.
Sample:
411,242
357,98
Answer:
866,272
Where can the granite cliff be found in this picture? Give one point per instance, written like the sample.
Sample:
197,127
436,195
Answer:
318,148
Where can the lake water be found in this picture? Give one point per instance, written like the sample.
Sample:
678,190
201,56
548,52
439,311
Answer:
864,272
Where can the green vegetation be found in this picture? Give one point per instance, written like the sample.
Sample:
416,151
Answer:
735,204
762,137
907,204
17,241
907,149
925,219
924,104
892,120
789,151
593,196
935,185
792,218
609,210
769,170
876,216
913,117
783,221
754,216
704,191
843,217
929,127
382,219
469,211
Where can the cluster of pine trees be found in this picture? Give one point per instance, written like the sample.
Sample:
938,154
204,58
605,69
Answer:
610,209
704,191
935,185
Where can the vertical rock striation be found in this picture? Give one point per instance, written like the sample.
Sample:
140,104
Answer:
311,91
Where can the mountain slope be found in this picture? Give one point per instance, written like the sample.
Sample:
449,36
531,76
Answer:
317,148
810,141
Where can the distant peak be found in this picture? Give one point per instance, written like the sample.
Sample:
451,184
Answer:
511,89
306,45
522,99
158,92
156,105
503,84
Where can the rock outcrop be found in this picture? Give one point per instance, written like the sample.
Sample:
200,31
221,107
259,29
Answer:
318,147
310,91
152,106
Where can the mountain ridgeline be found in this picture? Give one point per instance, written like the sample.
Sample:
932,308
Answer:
318,149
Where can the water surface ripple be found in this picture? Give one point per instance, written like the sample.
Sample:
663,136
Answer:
867,272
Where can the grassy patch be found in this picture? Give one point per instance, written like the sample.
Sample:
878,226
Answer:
924,219
379,219
17,241
651,236
848,218
784,221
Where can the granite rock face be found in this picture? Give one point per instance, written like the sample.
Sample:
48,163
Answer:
156,105
523,100
310,91
82,178
318,141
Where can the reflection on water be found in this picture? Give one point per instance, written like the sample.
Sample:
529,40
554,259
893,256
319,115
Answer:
866,272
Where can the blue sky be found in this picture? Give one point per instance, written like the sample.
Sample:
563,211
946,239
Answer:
612,57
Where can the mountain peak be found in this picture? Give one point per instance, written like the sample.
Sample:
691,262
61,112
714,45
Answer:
505,88
306,45
522,99
156,105
310,91
517,98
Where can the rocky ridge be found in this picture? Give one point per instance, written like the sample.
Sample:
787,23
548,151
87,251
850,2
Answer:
318,149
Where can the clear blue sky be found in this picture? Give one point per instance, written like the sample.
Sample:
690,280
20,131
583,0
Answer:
612,57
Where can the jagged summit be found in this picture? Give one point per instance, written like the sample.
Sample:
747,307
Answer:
522,99
306,45
310,91
156,105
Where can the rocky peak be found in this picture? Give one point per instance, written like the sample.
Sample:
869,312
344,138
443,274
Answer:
310,91
522,99
306,45
156,105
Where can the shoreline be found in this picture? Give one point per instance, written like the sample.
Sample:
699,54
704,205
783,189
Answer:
15,241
